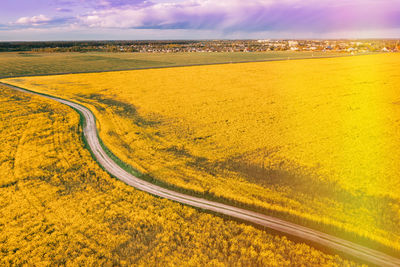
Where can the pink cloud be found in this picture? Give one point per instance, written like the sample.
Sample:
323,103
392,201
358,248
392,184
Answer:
234,15
223,17
34,21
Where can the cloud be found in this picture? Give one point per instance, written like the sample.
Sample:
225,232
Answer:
99,4
256,15
224,17
40,21
118,3
63,10
33,21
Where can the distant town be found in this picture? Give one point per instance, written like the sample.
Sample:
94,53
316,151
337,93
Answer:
262,45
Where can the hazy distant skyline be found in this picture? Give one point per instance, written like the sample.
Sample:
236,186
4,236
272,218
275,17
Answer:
27,20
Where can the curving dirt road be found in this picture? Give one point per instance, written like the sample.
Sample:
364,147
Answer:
350,248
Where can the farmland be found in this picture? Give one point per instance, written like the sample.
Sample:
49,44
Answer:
25,63
309,139
59,207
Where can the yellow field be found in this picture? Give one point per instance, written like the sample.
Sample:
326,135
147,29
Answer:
58,207
312,139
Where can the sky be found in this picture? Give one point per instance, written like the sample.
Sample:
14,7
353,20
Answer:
34,20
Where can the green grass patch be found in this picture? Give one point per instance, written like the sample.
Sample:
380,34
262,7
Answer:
31,64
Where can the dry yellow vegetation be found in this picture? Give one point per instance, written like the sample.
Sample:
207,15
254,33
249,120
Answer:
58,207
309,139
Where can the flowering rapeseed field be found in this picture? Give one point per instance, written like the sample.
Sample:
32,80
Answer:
58,207
315,140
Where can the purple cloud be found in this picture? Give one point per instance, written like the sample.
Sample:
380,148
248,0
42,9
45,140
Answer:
225,17
234,15
102,4
63,10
